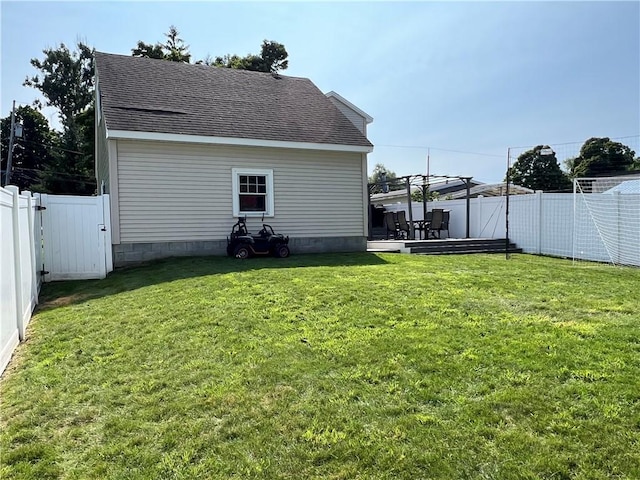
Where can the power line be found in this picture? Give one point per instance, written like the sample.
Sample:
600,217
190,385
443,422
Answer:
53,146
55,173
575,143
425,147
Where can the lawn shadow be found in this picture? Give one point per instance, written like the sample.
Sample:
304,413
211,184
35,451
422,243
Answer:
60,294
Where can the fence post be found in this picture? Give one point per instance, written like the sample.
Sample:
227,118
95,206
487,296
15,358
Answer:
479,228
106,219
32,246
15,212
538,217
45,225
616,196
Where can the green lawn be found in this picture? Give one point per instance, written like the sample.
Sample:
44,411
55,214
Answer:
331,366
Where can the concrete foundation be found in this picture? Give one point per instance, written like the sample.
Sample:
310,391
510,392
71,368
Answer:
132,253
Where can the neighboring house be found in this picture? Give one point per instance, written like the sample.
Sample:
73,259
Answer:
442,188
624,187
183,150
451,190
491,190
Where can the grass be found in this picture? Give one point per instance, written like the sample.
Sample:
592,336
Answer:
331,366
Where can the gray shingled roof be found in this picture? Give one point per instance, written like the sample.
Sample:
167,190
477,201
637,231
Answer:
147,95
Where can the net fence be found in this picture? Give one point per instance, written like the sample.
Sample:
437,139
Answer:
595,219
607,219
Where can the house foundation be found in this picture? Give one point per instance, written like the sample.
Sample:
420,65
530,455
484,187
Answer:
132,253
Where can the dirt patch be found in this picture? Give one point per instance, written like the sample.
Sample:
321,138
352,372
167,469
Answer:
62,301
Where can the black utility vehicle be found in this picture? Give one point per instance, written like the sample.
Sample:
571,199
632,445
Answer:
241,244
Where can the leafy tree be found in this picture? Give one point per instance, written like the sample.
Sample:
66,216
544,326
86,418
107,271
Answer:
173,49
273,57
538,169
72,169
416,196
67,79
67,85
382,177
148,50
602,156
176,50
32,152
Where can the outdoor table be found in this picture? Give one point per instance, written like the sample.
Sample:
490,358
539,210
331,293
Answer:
421,226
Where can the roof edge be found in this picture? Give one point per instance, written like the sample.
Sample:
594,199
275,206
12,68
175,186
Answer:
368,118
244,142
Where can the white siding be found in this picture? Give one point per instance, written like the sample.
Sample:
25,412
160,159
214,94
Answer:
102,155
354,117
182,192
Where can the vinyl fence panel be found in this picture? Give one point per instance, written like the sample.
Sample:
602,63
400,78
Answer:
552,223
9,333
76,237
19,279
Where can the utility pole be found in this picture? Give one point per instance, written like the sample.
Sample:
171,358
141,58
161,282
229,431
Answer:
7,174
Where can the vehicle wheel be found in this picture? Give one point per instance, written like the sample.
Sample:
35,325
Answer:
242,252
282,251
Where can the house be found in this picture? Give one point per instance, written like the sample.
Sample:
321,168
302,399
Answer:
451,190
443,188
491,190
183,150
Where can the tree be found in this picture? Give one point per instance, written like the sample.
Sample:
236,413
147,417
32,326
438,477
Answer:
416,196
32,152
538,169
67,85
176,50
273,57
67,79
173,49
384,179
601,156
148,50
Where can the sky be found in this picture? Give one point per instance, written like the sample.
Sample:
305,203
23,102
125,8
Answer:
450,84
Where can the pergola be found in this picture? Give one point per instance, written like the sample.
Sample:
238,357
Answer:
422,181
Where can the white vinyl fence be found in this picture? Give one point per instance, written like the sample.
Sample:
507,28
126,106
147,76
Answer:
76,235
46,238
19,276
543,223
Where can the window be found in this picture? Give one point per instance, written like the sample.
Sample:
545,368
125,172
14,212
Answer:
252,192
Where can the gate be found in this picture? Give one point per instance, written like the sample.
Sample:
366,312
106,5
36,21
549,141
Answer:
76,237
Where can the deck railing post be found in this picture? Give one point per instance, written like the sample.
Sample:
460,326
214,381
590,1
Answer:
411,226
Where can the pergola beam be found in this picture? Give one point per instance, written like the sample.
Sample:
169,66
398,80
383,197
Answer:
424,183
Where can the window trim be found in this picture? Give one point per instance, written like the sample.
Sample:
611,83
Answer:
235,182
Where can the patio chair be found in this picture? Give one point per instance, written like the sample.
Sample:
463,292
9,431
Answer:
390,224
437,217
402,225
445,221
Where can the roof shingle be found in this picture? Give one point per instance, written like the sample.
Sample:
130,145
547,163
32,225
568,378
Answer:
148,95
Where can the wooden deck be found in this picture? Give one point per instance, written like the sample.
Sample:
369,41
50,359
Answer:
442,246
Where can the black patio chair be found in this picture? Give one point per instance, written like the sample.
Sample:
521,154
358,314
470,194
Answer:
390,224
403,225
437,217
445,221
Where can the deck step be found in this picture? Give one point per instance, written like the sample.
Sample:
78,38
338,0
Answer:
466,252
470,247
448,246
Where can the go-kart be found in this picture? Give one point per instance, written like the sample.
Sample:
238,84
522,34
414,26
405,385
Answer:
241,244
